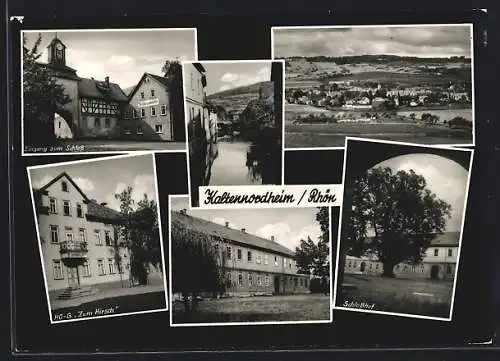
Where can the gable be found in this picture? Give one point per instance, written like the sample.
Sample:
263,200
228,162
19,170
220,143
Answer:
161,82
57,188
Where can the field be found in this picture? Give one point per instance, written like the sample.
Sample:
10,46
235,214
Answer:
333,135
416,297
443,114
256,309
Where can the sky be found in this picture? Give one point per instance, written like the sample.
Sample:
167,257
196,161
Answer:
101,180
444,177
288,226
122,55
227,75
421,41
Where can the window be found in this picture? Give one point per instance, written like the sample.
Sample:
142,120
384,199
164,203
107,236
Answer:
143,113
275,261
79,210
107,123
142,95
350,264
100,267
97,235
97,123
249,279
152,92
111,266
64,186
159,128
259,258
83,235
422,268
448,269
259,280
266,261
376,266
436,252
249,256
228,252
266,280
305,282
239,254
153,111
134,113
240,279
57,270
163,110
54,234
67,208
107,238
69,234
139,130
289,263
450,252
59,125
371,266
86,269
52,205
295,281
146,80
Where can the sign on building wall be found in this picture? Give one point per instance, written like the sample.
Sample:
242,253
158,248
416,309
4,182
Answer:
148,102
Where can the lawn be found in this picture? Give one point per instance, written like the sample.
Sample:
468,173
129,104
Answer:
333,135
256,309
416,297
113,305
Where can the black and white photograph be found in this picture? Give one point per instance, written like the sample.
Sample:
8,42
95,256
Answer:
401,228
408,83
234,112
104,91
243,267
99,237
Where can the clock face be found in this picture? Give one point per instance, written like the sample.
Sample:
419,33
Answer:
59,46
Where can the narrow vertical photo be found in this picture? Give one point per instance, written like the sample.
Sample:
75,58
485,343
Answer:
408,83
104,91
242,267
99,237
234,113
401,228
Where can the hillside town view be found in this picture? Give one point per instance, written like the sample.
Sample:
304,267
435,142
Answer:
407,94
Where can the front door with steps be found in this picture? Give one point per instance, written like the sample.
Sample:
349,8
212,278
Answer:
73,277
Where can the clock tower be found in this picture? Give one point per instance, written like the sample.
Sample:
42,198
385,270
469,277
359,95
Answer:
57,52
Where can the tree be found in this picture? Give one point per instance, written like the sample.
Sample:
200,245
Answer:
403,215
198,265
314,258
42,96
173,72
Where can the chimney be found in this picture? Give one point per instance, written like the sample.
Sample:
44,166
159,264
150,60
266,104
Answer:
244,230
227,224
106,80
183,211
272,238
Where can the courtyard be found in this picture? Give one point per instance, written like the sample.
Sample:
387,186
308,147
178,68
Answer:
399,295
311,307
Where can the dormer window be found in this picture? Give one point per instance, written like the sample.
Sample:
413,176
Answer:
64,186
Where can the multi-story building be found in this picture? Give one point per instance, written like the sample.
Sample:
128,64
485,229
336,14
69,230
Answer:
78,236
95,108
150,113
254,265
195,82
439,261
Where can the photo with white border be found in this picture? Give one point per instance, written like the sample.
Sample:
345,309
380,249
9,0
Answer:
234,123
401,227
103,91
237,267
99,237
410,83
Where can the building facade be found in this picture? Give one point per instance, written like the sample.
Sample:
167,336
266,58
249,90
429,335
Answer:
195,82
253,265
439,262
78,237
149,112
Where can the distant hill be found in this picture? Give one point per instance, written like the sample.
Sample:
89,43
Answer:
236,99
381,59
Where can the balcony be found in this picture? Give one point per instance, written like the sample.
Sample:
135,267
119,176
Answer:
76,251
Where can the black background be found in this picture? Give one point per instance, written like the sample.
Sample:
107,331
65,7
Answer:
248,37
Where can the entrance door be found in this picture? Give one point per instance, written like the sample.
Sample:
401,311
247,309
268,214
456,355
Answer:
435,272
73,277
276,284
362,267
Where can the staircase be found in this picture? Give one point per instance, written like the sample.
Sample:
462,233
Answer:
70,293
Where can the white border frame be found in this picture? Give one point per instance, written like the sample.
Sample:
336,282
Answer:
471,27
118,151
264,61
368,140
165,286
259,323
